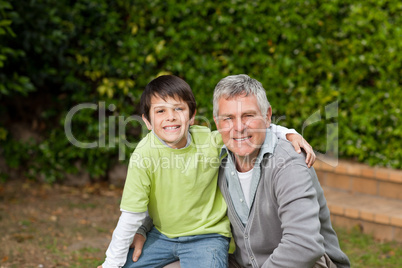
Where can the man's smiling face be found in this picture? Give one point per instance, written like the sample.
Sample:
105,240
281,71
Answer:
242,125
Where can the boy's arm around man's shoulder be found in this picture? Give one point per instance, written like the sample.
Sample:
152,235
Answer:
297,141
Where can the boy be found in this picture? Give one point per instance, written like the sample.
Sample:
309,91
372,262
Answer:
173,174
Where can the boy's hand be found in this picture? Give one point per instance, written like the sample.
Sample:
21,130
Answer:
138,244
299,142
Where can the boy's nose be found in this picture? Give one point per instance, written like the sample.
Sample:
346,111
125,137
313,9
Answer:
171,116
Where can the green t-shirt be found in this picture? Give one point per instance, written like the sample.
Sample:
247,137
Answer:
178,186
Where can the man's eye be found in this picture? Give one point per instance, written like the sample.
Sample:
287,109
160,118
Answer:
227,118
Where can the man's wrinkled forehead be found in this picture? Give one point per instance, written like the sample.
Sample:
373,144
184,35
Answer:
236,94
239,102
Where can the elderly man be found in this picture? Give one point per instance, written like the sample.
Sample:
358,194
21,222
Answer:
276,205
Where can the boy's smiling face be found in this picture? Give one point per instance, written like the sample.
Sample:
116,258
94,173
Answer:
170,120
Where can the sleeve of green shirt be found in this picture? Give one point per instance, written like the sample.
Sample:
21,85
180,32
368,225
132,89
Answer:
138,183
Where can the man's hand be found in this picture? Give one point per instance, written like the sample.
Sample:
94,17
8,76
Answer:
138,244
299,142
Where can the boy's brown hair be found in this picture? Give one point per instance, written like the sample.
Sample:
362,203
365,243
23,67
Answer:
167,86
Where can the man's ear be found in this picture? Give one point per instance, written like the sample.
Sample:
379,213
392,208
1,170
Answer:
149,126
216,120
192,118
269,115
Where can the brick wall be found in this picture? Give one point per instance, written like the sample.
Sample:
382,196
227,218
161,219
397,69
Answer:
363,196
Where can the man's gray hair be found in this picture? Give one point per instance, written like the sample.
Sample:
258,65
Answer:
235,85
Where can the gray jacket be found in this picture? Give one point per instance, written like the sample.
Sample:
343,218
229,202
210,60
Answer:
289,222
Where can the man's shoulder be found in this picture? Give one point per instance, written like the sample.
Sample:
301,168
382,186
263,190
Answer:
285,151
287,166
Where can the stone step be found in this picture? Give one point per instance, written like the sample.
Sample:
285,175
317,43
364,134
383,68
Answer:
378,216
360,178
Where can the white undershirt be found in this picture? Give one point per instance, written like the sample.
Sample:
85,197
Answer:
128,224
245,182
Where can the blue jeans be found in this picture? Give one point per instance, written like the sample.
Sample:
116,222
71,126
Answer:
208,250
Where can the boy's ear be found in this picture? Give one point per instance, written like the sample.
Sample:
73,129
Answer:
149,126
193,118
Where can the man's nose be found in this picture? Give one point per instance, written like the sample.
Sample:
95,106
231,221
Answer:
239,125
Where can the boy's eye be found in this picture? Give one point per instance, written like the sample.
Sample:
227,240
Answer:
159,111
179,109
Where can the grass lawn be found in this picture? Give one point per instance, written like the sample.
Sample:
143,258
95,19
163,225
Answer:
59,226
364,251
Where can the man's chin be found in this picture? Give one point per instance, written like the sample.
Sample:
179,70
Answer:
242,149
241,153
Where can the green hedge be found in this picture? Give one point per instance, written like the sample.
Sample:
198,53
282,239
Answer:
307,54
